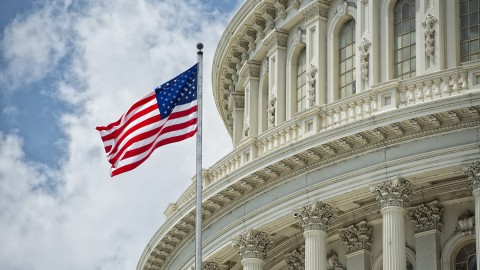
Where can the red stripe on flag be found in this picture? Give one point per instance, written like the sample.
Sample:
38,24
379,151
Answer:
135,164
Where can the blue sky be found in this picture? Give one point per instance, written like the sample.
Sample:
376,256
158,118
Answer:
65,67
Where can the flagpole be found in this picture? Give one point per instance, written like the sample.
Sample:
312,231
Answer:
198,216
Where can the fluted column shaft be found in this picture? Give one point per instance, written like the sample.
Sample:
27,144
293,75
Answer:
315,250
394,257
252,264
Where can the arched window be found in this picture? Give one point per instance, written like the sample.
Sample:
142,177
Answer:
466,257
469,38
302,80
347,84
404,39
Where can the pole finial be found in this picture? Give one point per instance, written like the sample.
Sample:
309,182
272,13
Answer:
200,46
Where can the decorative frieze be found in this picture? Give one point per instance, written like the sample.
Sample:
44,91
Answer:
473,174
357,237
316,216
395,192
296,259
364,53
253,244
429,25
426,217
466,223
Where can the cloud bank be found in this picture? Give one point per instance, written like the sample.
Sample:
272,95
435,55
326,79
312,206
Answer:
104,55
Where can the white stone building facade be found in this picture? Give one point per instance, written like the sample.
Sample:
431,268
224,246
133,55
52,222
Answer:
356,132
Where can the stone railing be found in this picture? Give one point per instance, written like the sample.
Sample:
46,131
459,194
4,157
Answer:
381,98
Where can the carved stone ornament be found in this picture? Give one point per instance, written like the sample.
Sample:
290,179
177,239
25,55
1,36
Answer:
311,82
466,223
363,48
316,9
299,36
295,4
429,25
357,237
269,16
253,244
316,216
473,174
271,110
332,261
246,130
426,217
264,67
281,6
213,266
296,259
395,192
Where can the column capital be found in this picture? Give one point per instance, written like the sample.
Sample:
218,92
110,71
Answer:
315,216
357,237
296,259
426,217
473,174
253,245
318,9
393,192
236,100
251,69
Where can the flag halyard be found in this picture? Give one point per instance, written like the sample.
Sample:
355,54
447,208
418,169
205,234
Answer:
166,115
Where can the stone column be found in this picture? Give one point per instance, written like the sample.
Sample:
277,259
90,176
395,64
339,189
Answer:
236,104
251,70
315,219
428,221
296,259
253,247
393,196
316,15
473,173
276,42
358,240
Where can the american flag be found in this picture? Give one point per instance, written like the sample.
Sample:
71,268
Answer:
166,115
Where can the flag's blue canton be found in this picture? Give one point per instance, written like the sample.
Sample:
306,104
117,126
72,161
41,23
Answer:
180,90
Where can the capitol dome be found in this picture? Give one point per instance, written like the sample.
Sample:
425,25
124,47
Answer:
356,132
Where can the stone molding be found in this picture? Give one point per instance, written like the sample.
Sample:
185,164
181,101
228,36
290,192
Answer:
473,174
315,216
357,237
426,217
393,192
253,245
296,259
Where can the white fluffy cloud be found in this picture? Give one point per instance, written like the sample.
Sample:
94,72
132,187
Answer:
76,217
